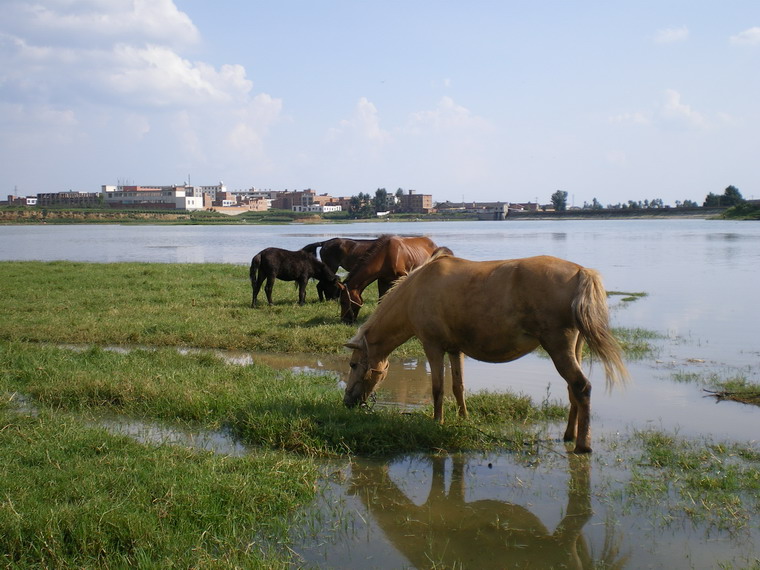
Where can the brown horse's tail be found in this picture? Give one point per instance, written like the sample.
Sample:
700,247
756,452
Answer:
592,319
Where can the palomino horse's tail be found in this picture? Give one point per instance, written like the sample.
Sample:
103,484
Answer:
592,319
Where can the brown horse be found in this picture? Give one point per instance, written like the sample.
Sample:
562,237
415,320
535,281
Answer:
387,259
340,252
494,311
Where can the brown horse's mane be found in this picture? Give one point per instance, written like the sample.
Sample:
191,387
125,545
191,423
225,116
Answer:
370,252
393,291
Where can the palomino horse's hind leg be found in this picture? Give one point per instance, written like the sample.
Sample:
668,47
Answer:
572,419
457,381
563,348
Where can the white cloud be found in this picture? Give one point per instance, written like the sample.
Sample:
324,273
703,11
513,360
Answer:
749,37
673,111
91,22
671,35
364,125
446,116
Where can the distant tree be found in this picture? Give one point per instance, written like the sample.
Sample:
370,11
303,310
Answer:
382,200
594,205
730,197
559,200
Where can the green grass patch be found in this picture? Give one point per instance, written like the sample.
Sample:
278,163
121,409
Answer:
73,496
264,407
717,484
627,297
736,388
194,305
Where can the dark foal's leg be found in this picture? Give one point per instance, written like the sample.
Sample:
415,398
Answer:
268,288
302,291
256,287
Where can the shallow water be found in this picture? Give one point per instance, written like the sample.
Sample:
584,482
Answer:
701,278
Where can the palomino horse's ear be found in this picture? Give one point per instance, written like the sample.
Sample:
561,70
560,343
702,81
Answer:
353,344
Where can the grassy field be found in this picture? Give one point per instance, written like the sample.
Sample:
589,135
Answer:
74,495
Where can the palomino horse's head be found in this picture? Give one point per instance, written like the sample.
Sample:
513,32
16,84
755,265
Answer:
364,375
350,303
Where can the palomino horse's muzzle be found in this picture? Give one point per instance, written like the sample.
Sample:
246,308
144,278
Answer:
363,390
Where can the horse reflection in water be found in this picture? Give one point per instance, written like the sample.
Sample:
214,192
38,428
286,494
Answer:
449,532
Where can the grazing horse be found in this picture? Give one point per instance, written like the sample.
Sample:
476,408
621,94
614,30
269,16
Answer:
340,252
389,258
299,266
494,311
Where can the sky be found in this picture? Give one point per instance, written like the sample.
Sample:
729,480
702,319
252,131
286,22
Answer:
477,101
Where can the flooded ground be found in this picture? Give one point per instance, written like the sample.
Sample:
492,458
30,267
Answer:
503,510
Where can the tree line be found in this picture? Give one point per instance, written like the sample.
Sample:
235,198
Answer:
730,197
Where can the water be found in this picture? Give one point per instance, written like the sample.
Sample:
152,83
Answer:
702,281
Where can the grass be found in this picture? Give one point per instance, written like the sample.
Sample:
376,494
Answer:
735,388
717,484
264,407
197,305
73,495
77,496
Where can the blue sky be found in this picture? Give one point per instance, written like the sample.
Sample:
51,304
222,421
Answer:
477,100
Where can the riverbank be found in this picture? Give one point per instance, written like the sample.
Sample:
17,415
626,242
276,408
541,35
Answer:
91,216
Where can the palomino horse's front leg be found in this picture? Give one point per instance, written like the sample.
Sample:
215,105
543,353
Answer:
457,381
435,359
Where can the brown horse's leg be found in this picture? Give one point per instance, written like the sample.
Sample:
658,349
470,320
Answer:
435,359
562,348
457,381
383,286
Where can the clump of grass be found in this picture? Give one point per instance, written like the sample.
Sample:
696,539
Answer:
636,342
717,484
627,297
735,388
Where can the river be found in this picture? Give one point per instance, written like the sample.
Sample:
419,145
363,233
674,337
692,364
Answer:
701,278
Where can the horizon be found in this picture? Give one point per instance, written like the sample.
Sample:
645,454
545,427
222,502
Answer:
463,102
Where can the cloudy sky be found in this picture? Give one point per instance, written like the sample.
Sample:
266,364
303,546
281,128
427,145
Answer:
479,100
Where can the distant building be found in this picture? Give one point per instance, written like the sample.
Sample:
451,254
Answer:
153,197
76,199
415,203
22,200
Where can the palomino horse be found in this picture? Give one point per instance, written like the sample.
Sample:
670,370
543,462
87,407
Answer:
494,311
389,258
340,252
